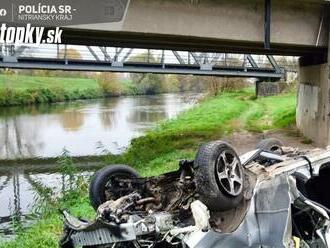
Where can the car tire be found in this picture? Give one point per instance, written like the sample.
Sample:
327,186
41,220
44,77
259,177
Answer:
211,165
99,189
271,145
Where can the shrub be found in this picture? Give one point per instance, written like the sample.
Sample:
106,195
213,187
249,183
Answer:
109,84
220,84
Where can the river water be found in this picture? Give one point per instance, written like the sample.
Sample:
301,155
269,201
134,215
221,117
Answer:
83,128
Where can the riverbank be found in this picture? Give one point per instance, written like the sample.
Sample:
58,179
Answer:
17,90
160,149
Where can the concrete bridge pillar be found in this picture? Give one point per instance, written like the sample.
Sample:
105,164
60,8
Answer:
313,104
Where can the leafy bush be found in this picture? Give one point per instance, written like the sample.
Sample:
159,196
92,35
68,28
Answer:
109,84
148,84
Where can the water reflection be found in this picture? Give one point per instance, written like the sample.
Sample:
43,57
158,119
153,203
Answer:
80,127
72,120
15,137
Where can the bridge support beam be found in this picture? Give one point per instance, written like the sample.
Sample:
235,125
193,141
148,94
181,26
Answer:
313,106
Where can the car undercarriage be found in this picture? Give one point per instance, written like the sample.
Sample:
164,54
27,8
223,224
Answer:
272,196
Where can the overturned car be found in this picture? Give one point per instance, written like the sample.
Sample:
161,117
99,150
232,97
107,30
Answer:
273,196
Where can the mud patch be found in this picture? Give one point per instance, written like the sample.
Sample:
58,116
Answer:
245,141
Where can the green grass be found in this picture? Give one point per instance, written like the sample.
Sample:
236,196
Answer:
22,82
25,90
271,113
47,231
160,149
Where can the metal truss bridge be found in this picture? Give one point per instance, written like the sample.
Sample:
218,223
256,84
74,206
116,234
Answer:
115,59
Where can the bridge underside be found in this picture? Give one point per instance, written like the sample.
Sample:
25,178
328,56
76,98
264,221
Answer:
185,43
297,27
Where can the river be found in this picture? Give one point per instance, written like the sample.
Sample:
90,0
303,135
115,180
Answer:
83,128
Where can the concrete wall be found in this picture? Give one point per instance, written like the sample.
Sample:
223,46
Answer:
313,106
269,88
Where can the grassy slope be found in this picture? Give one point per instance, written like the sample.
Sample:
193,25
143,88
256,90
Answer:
21,82
25,90
16,90
160,149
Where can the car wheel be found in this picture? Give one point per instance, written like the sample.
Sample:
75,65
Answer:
112,182
271,145
219,176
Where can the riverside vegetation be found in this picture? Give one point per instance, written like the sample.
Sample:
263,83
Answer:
35,87
25,89
160,149
38,87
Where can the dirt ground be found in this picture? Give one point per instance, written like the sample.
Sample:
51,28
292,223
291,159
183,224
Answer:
245,141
